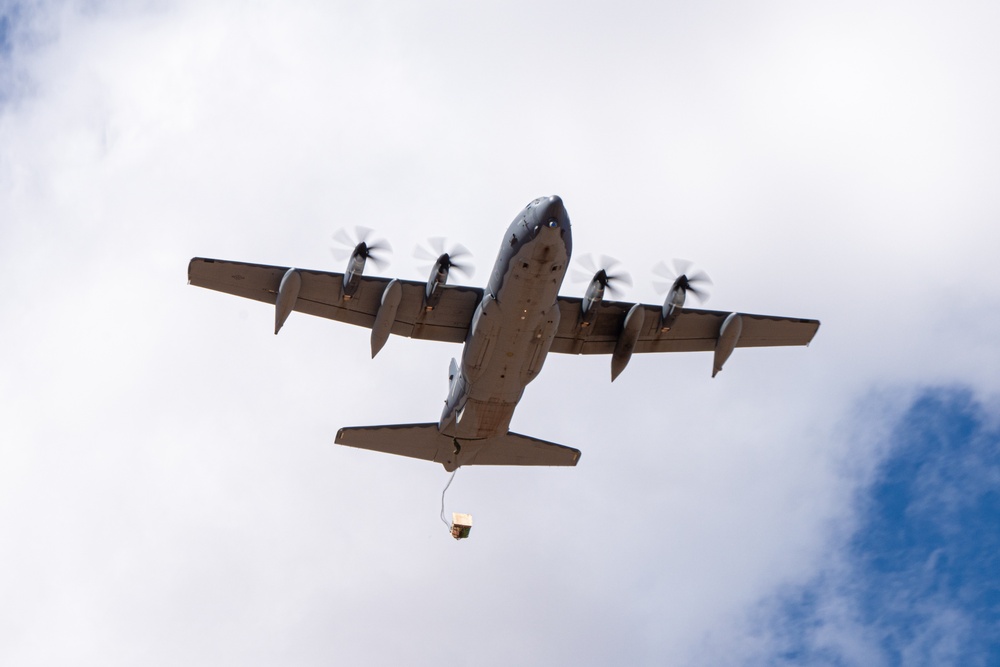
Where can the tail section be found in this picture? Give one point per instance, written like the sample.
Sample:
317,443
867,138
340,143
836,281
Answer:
425,441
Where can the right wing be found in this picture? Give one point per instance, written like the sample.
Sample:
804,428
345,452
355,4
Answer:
696,330
320,295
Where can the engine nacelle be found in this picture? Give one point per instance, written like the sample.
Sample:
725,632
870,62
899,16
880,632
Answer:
437,281
672,307
355,269
593,297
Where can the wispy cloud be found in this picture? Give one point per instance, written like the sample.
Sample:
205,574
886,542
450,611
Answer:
167,463
918,582
8,19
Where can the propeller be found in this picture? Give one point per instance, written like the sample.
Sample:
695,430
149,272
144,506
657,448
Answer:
681,276
360,242
451,255
604,271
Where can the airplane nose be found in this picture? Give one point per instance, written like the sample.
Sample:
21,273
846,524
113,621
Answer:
552,221
555,214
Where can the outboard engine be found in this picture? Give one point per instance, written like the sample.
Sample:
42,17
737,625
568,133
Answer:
363,250
683,283
355,269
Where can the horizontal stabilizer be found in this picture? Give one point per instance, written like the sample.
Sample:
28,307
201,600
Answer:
424,441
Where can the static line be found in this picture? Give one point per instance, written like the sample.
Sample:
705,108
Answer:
445,490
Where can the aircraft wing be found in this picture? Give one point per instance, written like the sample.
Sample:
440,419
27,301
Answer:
695,330
320,295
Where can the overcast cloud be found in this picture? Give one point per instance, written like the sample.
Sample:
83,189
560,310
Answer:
169,488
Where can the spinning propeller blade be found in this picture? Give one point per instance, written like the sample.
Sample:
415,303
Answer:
347,244
437,246
694,283
604,270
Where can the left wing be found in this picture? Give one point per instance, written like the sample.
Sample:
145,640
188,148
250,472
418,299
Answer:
321,295
695,330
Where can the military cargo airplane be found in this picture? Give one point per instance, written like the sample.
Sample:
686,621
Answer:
507,330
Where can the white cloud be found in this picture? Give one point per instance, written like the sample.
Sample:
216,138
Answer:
169,481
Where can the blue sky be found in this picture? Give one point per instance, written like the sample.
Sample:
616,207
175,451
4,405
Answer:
169,490
919,574
7,18
5,22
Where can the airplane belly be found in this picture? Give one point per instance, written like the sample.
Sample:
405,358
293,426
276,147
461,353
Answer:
483,419
513,346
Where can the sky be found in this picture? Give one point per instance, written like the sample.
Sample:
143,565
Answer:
169,488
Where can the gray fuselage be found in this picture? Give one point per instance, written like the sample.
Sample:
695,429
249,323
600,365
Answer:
514,325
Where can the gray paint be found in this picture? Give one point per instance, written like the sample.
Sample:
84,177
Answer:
513,327
507,331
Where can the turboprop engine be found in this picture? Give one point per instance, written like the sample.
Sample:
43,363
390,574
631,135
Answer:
445,261
603,281
672,306
678,289
363,250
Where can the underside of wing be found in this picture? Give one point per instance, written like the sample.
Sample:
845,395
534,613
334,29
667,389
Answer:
320,293
694,331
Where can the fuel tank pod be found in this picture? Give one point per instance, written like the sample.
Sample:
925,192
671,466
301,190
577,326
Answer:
386,315
729,336
627,339
288,294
